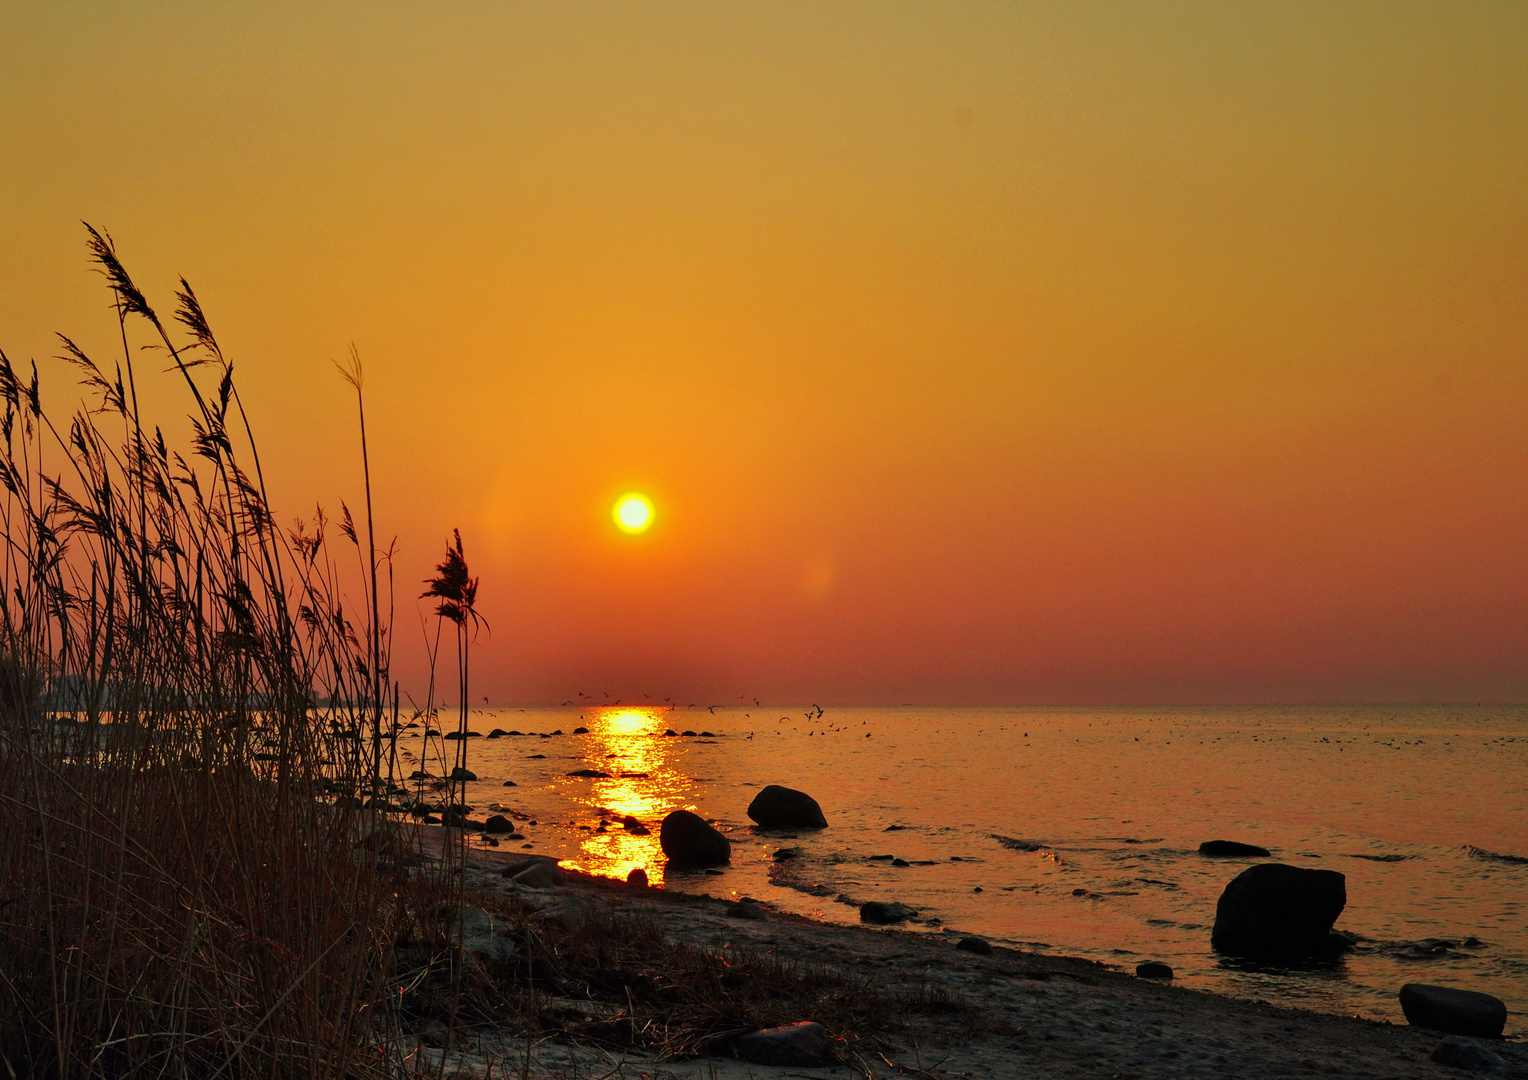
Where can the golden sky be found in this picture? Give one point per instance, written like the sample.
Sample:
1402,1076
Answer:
968,352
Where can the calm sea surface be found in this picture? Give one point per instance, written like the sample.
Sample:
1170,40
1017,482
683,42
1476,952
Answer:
1072,830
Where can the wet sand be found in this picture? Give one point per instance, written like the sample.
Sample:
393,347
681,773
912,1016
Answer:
1029,1014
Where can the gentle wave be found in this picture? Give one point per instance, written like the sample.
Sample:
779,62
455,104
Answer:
1492,856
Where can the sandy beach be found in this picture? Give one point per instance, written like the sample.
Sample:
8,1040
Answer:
1017,1013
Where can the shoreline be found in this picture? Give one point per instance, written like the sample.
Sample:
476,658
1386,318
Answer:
1021,1013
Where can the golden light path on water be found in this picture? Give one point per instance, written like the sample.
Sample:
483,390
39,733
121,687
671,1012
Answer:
646,783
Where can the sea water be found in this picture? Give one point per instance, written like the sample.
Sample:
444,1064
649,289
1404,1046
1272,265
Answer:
1069,830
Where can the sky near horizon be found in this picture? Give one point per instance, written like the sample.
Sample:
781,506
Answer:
967,352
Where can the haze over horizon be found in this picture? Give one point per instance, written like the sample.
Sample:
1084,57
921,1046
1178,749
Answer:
967,354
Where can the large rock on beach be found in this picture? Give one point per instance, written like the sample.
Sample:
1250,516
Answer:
779,807
1232,849
688,840
879,913
1458,1012
1274,910
801,1045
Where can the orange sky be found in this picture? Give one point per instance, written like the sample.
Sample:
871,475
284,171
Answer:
971,352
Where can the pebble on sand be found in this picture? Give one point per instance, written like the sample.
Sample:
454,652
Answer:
801,1045
1464,1053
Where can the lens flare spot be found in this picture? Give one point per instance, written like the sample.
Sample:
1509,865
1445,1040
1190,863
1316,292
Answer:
633,512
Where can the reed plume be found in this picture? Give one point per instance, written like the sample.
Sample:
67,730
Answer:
197,857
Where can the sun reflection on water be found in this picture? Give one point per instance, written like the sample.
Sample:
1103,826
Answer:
645,782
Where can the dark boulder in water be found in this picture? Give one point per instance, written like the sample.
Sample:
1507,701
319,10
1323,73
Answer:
1232,849
580,731
460,773
688,840
637,879
498,823
592,774
975,945
1273,910
777,807
1153,969
1458,1012
884,914
497,733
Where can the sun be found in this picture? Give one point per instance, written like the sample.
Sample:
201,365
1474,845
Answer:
633,512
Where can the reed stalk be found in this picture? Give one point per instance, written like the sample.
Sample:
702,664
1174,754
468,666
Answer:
198,853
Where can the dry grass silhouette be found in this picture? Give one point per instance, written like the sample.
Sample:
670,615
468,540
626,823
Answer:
196,730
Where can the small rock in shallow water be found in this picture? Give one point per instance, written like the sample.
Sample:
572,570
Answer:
1464,1053
885,914
510,783
745,910
637,879
580,731
974,944
900,862
1153,969
801,1045
1221,849
633,826
1458,1012
460,773
498,823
